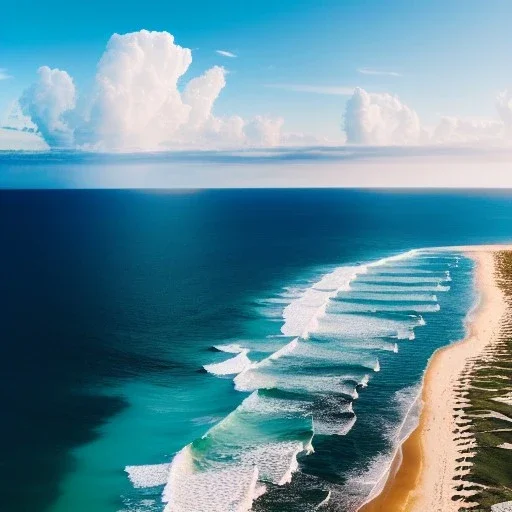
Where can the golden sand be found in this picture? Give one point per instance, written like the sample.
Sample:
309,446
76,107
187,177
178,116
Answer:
403,479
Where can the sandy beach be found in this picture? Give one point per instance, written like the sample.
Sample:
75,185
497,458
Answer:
427,469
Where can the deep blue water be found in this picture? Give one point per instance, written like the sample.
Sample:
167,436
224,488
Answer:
111,302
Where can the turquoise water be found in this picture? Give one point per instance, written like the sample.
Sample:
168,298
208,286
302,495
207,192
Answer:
324,382
222,351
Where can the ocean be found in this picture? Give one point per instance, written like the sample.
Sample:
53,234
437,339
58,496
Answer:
222,350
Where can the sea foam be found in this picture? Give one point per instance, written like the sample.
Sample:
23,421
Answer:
231,348
231,366
301,315
216,489
149,475
335,327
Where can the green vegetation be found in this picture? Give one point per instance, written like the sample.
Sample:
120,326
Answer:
484,402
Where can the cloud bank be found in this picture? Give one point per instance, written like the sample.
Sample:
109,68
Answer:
381,119
138,103
142,99
348,166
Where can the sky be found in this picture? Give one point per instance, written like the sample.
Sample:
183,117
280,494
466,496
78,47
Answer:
254,74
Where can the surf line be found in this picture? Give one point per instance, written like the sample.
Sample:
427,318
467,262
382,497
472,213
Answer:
300,319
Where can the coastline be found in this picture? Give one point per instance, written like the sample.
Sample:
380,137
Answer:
421,476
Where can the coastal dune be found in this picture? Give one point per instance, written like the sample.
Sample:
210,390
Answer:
431,470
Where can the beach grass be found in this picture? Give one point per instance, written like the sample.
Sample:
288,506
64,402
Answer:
489,408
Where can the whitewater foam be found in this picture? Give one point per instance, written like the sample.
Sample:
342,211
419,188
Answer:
308,384
336,324
403,270
331,428
376,278
324,502
265,405
301,315
217,489
148,475
390,297
368,287
408,401
277,461
231,366
344,306
285,350
318,354
359,326
233,348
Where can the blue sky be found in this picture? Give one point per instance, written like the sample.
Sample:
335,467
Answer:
453,56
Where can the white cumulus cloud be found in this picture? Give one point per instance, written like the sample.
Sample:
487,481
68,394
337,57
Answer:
14,140
16,120
18,132
200,95
136,103
141,101
47,103
456,130
264,131
380,119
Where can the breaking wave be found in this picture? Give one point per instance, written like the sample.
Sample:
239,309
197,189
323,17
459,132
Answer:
231,366
326,355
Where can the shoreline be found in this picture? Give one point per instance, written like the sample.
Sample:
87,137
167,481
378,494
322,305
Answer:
422,472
